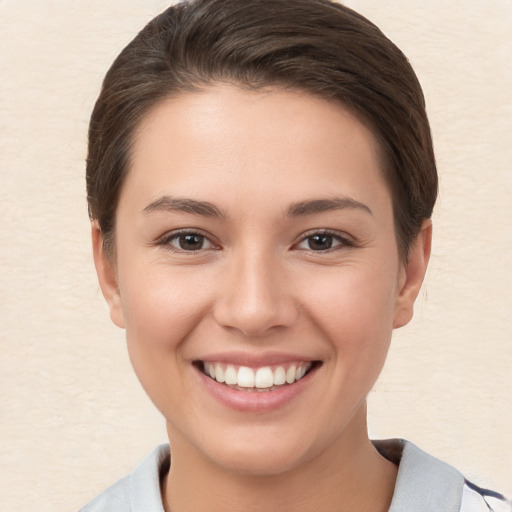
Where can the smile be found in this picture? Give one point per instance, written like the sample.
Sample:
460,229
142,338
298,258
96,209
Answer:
265,378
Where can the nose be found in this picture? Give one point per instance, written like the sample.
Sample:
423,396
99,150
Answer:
255,296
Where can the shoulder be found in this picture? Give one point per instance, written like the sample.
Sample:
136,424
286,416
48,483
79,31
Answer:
425,483
115,498
476,499
137,492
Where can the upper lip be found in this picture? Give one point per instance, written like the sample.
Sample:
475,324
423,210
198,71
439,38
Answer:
255,360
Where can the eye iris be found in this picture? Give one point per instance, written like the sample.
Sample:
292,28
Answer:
320,242
191,242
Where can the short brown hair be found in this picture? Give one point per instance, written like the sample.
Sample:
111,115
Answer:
317,46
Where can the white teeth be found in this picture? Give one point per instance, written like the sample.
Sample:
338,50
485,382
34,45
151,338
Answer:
291,374
279,376
219,373
245,377
263,378
230,375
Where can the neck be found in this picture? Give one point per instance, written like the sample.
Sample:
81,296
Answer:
349,475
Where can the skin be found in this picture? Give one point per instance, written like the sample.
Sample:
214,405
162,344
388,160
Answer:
256,285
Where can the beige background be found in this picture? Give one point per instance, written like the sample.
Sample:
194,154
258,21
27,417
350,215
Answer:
73,418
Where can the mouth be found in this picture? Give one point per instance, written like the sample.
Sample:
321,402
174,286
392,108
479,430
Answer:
260,379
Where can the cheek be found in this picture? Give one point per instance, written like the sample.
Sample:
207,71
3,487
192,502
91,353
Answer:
162,303
354,309
161,309
354,296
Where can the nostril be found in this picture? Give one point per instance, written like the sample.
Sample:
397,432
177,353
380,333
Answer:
255,298
256,320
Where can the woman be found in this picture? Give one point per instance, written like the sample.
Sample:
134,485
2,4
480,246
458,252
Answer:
260,181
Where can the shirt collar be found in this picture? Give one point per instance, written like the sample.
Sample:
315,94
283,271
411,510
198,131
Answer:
423,484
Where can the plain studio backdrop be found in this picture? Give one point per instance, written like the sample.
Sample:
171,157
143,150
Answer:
73,418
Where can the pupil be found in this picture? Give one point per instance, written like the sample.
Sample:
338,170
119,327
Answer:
320,242
191,242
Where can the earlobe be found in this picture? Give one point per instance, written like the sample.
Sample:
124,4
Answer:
413,273
107,277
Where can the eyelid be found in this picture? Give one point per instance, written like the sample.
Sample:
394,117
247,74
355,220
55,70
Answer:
346,240
165,240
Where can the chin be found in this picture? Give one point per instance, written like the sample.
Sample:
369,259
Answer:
258,460
249,450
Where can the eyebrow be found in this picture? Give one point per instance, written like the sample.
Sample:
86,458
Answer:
310,207
172,204
322,205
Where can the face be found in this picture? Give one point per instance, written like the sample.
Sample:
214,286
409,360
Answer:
257,275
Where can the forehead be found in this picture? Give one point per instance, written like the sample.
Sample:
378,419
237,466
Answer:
285,141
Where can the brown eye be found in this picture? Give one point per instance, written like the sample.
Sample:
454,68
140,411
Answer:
191,242
188,242
323,242
320,242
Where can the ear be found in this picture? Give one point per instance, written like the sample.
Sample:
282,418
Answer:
412,274
105,268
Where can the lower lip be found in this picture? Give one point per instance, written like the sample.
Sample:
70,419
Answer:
255,401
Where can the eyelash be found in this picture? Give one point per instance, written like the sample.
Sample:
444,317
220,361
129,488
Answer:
167,240
342,241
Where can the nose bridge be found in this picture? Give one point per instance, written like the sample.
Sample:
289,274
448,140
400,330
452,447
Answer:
255,297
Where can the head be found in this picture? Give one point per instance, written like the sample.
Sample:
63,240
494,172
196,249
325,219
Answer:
315,46
260,179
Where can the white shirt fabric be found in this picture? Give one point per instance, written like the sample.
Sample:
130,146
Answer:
424,484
